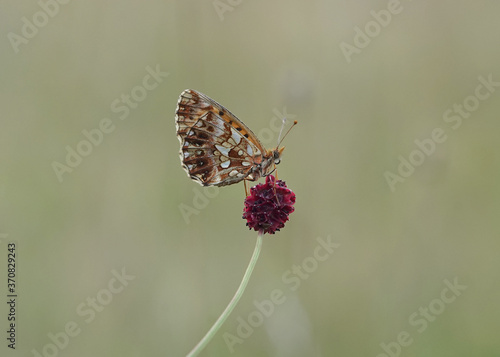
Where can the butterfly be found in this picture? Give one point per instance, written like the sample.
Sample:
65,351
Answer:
218,149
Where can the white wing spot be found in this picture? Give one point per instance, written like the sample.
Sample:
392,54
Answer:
223,150
233,173
240,152
249,150
246,163
235,135
225,164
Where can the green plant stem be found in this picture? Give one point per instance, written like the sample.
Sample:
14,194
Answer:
217,325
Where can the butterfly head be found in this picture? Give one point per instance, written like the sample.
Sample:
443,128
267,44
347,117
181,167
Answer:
271,159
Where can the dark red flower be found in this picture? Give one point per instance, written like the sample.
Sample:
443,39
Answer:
268,206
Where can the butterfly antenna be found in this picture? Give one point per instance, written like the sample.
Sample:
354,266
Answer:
284,136
283,122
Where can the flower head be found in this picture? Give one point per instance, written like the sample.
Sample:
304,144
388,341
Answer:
268,206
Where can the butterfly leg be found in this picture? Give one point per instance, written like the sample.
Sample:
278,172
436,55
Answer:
274,189
246,188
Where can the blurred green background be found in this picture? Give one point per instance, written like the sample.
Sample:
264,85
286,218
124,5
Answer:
359,110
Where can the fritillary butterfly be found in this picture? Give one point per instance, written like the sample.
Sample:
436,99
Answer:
217,149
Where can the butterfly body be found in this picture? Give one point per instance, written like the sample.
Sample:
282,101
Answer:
218,149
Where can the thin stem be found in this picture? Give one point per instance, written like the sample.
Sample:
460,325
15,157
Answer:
217,325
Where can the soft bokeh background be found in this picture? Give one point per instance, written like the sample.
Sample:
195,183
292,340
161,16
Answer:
120,208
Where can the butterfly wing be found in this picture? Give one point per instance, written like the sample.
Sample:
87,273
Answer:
217,149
